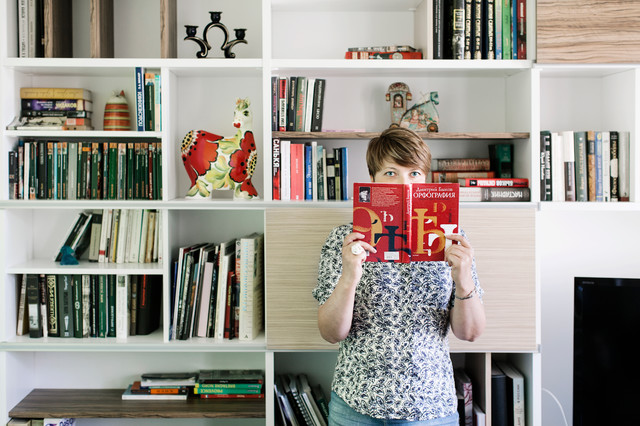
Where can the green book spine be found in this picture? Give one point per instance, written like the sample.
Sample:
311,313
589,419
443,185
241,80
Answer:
76,286
105,171
300,103
145,170
501,159
95,170
149,103
102,306
113,170
122,171
111,305
580,150
63,170
506,29
150,170
65,298
52,306
159,171
50,171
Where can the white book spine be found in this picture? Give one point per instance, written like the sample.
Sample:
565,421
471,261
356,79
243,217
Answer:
606,166
143,236
122,236
308,107
136,221
86,305
314,169
23,29
122,307
104,235
557,167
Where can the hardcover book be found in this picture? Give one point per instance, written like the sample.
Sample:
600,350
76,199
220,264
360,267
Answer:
406,223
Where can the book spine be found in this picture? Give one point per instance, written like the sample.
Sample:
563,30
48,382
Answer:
52,304
438,14
580,152
111,306
569,160
613,137
624,161
276,169
50,93
86,305
291,104
522,29
468,8
33,303
122,308
308,173
499,182
282,104
275,104
301,94
318,105
489,29
149,103
606,167
506,29
463,164
297,173
458,24
76,288
477,23
140,118
514,29
598,165
157,101
344,174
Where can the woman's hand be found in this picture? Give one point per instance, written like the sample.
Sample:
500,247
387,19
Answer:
460,257
352,262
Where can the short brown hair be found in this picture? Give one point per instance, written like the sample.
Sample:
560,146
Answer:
401,146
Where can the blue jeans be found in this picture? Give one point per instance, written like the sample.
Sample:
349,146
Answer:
340,414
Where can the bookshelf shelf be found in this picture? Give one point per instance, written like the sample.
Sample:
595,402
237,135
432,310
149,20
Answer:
108,403
368,135
41,266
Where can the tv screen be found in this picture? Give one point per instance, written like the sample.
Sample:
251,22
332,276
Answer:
606,370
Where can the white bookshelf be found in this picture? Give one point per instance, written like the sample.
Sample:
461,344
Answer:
285,38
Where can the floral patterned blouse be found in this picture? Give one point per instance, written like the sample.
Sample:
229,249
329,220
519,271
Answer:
395,362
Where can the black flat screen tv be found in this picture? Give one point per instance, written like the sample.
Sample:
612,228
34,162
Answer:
606,359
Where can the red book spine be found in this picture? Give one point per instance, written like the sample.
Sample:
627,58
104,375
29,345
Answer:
276,169
522,29
231,395
500,182
297,171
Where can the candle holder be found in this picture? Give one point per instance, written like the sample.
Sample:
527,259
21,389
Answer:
227,44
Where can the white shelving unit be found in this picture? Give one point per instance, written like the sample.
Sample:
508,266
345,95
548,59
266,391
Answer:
285,38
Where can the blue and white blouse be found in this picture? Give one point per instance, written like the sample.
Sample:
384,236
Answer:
395,362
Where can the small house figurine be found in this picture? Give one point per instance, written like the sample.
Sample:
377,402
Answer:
398,94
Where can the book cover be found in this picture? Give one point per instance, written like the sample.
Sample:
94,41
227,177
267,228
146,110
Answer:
465,388
406,222
499,410
251,286
501,159
297,171
149,299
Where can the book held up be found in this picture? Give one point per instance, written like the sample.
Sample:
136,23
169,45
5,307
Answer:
406,222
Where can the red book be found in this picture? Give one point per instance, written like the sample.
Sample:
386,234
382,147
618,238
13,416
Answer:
521,41
276,169
227,313
406,223
282,103
297,171
499,182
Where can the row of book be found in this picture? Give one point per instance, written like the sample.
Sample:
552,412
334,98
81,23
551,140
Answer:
298,402
588,165
297,103
54,108
81,306
109,170
308,171
115,236
508,395
472,29
218,290
148,100
383,52
205,384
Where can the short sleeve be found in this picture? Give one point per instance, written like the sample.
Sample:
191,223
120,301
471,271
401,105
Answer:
330,265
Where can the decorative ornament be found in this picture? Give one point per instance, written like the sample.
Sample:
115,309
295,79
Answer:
205,47
215,162
420,117
116,113
68,256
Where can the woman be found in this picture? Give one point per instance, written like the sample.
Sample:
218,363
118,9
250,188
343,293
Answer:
392,319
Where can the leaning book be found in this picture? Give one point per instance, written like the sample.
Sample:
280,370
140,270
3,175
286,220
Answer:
406,222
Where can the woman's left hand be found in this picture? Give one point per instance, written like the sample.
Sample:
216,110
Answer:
460,257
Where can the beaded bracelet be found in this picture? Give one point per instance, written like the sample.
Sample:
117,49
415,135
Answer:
468,296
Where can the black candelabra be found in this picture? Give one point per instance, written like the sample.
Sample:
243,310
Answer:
227,44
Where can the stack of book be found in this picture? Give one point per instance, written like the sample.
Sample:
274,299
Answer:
172,386
491,178
383,52
218,290
508,394
300,403
54,108
217,384
297,104
308,171
61,170
88,305
148,101
115,236
577,165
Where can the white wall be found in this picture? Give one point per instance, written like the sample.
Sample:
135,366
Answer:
576,243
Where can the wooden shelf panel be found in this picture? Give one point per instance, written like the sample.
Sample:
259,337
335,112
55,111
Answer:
108,403
424,135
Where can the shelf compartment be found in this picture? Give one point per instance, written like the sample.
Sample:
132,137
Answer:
423,135
108,403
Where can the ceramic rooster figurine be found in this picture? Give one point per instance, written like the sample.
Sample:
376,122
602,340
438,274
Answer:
217,162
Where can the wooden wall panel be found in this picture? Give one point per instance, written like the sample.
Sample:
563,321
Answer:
504,243
588,31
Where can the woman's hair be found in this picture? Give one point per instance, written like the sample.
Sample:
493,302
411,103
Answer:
401,146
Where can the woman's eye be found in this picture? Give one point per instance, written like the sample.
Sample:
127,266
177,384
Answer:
415,174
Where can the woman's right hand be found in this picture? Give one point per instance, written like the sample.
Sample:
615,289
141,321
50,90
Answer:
352,263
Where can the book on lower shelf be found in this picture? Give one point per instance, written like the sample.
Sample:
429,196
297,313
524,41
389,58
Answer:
406,222
299,402
82,306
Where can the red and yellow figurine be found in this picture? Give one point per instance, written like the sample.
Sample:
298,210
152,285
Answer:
116,113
